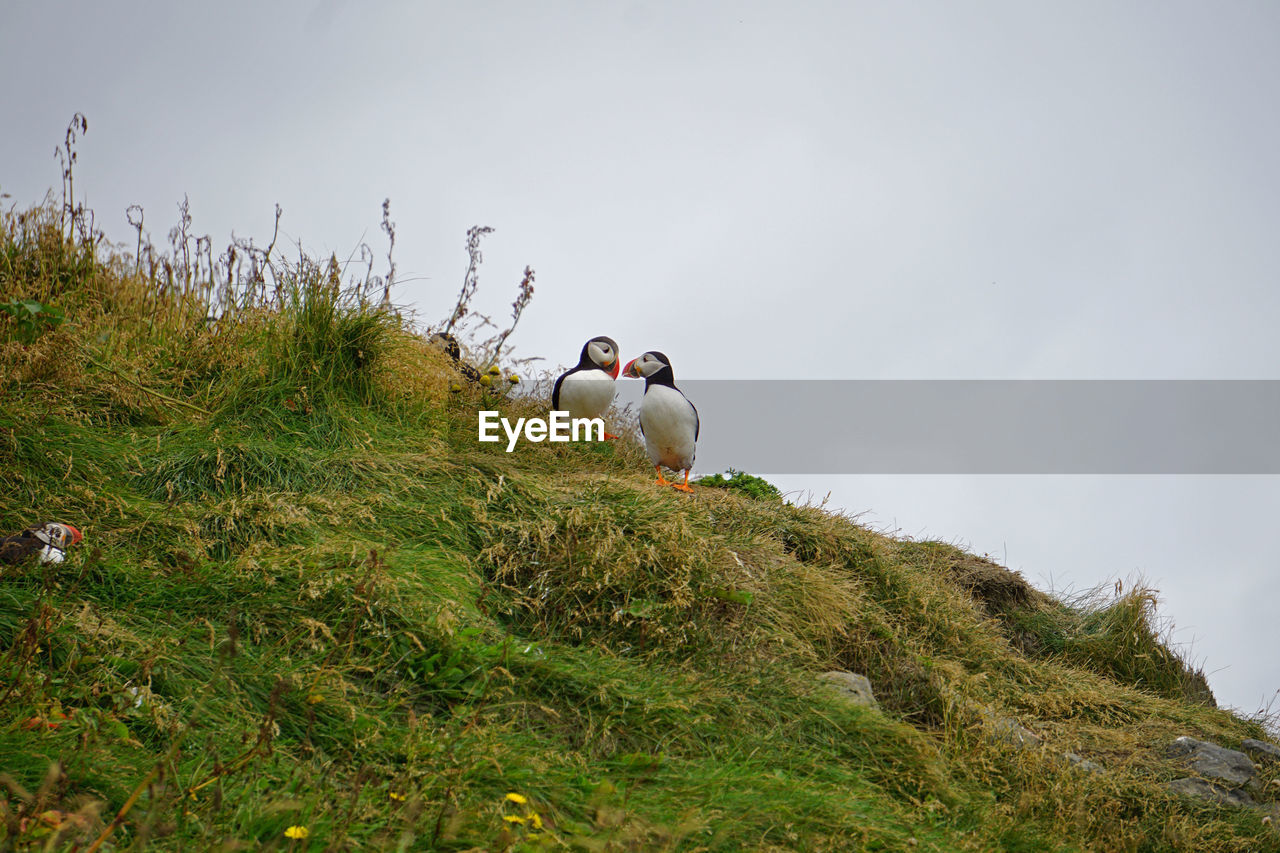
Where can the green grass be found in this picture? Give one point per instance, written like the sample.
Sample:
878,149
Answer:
307,596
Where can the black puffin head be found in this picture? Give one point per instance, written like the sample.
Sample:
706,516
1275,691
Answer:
448,343
59,535
654,367
602,353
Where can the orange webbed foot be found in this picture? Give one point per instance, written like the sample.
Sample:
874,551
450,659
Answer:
661,481
684,487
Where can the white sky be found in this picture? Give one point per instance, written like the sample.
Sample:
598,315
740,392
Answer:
761,190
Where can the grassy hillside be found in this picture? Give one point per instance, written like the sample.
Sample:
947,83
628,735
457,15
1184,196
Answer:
311,611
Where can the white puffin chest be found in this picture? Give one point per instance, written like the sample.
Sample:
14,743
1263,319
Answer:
587,393
670,426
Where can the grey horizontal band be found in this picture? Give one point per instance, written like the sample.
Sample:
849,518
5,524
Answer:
984,426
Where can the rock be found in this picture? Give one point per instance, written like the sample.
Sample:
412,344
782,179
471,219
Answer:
852,687
1261,751
1013,732
1008,729
1082,763
1201,789
1214,762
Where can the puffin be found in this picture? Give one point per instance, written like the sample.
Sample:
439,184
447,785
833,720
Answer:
586,391
449,344
668,421
47,542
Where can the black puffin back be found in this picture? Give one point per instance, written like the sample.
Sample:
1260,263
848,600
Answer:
555,392
20,546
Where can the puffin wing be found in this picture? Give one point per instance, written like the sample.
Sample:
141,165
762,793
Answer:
697,422
555,392
639,419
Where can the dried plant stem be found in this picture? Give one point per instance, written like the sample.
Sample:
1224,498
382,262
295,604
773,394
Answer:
472,279
136,384
523,298
129,803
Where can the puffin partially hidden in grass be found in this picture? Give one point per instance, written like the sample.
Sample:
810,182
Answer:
668,421
586,391
449,344
47,543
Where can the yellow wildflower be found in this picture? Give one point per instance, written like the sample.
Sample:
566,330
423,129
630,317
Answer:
536,819
517,798
297,832
513,818
399,798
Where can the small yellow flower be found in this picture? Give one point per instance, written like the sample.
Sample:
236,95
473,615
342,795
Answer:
455,388
399,798
513,818
314,698
486,380
297,832
513,379
517,798
495,370
536,820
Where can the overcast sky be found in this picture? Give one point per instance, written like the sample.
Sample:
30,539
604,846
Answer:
926,190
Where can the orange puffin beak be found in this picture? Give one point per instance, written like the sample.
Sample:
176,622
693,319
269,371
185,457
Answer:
76,536
628,370
613,369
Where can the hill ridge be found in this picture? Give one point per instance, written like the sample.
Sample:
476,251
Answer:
312,611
